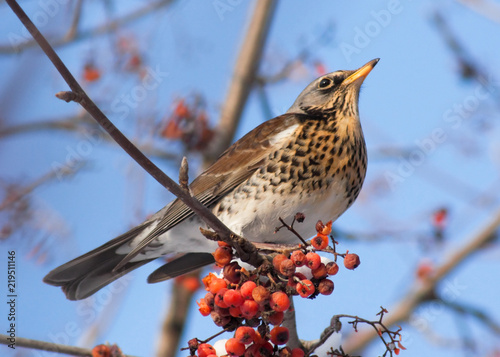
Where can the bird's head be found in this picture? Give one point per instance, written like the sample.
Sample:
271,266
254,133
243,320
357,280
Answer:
333,93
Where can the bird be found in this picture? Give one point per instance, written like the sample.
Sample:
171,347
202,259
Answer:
312,160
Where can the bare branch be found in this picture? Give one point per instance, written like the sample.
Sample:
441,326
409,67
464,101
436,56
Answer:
244,76
421,290
108,27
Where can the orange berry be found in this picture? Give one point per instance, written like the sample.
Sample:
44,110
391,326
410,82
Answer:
276,318
101,351
297,352
351,261
320,241
279,301
234,347
287,268
320,272
221,243
332,268
216,284
246,289
277,261
181,110
233,298
260,294
279,335
91,73
249,309
313,260
245,334
204,309
223,256
325,287
305,288
298,258
191,283
207,280
204,350
235,311
219,298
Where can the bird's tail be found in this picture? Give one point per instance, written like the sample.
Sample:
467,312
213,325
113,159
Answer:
83,276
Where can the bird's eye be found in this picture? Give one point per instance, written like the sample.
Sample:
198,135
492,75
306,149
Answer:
325,82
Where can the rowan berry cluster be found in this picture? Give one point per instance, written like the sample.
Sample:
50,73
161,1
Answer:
253,303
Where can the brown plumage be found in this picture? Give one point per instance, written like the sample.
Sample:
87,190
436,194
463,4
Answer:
311,159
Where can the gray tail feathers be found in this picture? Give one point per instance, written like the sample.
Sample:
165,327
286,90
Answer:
85,275
186,263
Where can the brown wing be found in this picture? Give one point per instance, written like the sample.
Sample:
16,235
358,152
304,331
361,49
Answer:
233,167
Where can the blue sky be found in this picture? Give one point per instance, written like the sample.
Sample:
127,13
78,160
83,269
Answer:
411,93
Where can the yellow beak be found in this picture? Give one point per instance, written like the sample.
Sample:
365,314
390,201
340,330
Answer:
361,73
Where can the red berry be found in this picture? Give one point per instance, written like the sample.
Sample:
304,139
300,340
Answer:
325,287
216,284
320,272
235,311
287,268
221,243
260,294
245,334
234,347
313,260
223,256
249,309
279,335
204,350
204,309
276,318
305,288
297,352
219,298
279,301
101,351
320,241
277,261
332,268
298,258
246,289
233,298
351,261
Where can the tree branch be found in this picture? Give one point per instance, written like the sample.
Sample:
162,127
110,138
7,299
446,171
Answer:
245,72
421,290
100,30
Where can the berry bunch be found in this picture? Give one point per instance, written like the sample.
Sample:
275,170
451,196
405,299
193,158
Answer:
253,303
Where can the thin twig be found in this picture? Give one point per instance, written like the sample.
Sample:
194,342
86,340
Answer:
108,27
421,290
